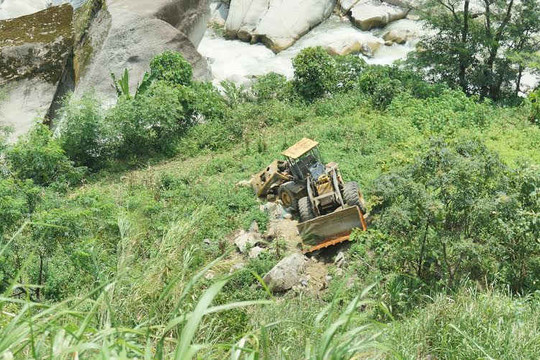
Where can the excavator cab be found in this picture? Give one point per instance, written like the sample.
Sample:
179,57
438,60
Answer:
304,160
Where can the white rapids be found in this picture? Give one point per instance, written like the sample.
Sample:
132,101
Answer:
239,61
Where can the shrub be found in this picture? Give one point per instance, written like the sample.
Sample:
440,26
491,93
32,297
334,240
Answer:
348,70
272,86
13,204
83,133
448,217
377,83
151,122
203,102
39,157
171,67
534,100
314,73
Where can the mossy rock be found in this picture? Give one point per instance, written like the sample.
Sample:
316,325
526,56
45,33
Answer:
36,45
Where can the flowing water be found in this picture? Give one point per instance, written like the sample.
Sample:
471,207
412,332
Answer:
239,61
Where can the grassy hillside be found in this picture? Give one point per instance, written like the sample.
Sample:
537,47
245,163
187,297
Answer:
123,269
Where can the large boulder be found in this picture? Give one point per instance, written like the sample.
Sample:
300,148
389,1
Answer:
401,31
51,52
35,58
369,14
339,37
127,34
287,273
276,23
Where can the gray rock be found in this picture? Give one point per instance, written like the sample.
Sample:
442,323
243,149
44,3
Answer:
254,227
339,261
276,23
35,53
255,252
369,14
219,13
246,240
286,274
207,242
127,34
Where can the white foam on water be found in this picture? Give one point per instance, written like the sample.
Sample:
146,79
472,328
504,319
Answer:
239,61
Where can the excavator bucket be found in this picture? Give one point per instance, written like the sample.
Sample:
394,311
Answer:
331,229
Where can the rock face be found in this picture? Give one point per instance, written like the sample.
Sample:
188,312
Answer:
366,44
127,34
287,273
35,58
401,31
369,14
51,52
276,23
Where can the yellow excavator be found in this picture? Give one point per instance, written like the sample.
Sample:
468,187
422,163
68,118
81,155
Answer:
328,208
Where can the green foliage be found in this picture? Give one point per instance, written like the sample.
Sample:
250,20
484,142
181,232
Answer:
443,215
534,100
314,73
446,113
150,122
172,68
84,135
484,55
348,70
447,214
39,157
13,204
122,85
272,86
472,324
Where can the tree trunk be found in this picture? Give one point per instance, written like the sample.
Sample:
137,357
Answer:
518,80
462,57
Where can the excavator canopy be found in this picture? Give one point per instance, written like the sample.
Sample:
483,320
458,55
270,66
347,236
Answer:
300,148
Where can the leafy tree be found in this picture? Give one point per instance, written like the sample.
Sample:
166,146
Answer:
314,73
171,67
151,122
271,86
83,133
482,49
458,213
348,70
39,157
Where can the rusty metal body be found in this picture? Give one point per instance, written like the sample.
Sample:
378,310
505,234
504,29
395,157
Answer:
329,209
270,179
331,229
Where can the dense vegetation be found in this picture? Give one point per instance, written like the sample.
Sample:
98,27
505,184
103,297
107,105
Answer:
482,47
102,223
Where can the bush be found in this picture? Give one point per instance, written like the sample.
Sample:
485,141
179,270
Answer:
458,213
534,101
314,73
171,67
39,157
348,70
13,204
151,122
83,133
203,102
272,86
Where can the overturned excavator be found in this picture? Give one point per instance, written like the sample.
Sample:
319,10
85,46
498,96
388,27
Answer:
328,208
